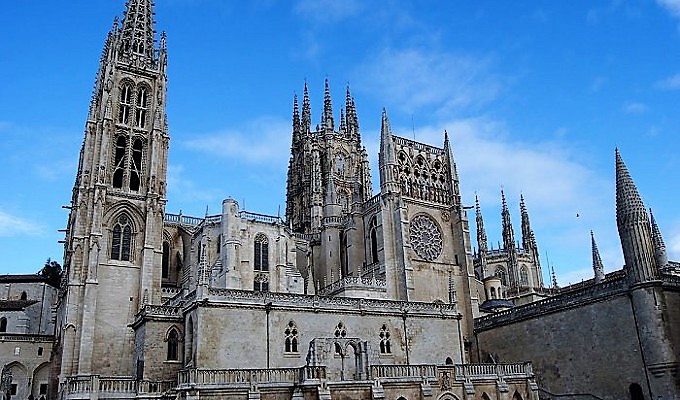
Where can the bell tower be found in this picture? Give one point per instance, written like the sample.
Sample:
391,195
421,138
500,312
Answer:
113,245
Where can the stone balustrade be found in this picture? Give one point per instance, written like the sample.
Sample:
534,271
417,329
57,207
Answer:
83,387
249,377
399,371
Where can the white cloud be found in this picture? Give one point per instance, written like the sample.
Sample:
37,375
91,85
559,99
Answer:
11,225
262,141
635,108
324,11
670,83
672,6
413,79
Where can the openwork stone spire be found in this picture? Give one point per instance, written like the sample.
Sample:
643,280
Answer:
482,241
327,120
509,243
306,110
296,119
137,32
634,228
528,240
598,268
659,246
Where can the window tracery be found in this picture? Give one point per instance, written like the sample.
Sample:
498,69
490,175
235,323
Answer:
291,342
142,105
121,239
426,238
119,161
500,273
384,335
524,276
173,345
373,232
125,103
261,282
261,261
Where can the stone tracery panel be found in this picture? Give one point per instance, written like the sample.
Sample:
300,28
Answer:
426,237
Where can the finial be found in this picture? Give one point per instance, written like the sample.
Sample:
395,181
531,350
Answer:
327,107
306,110
598,267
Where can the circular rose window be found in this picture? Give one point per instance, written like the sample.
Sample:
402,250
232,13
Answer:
426,238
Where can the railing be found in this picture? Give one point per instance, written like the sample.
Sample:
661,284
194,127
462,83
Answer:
372,201
487,371
269,219
354,282
418,146
25,337
403,371
170,291
162,311
561,301
77,386
182,219
246,377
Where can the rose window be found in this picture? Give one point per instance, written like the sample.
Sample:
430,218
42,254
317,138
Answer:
426,238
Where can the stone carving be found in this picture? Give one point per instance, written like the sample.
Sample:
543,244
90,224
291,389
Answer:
426,238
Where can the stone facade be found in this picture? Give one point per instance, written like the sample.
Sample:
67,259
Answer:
352,295
26,335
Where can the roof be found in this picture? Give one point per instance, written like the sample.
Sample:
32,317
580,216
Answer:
25,278
15,305
494,304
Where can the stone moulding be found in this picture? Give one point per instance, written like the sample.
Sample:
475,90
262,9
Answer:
589,294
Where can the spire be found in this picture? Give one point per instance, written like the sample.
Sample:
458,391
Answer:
306,110
659,246
481,231
351,114
343,122
598,268
634,228
296,119
327,120
508,232
387,157
137,31
455,189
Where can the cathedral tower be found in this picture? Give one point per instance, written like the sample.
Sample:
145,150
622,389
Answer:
113,245
329,179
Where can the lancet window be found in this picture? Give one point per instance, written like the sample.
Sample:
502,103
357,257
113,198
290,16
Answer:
373,232
173,345
261,261
124,150
524,276
136,164
119,162
165,263
500,273
121,239
384,335
142,105
125,105
291,342
3,324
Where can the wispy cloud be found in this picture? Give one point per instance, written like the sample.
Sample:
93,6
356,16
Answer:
414,78
256,142
634,108
672,6
327,10
670,83
11,225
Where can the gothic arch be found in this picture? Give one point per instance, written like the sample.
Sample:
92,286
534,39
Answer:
485,396
448,396
516,396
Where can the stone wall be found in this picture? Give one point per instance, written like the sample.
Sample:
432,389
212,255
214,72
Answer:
592,348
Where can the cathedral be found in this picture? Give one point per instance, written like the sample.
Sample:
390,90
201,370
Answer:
351,295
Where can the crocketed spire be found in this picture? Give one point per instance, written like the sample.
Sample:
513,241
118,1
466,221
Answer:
657,241
327,120
296,118
137,31
598,268
482,242
306,110
634,228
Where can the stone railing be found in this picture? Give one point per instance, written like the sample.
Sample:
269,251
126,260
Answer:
83,387
161,311
372,201
347,303
353,282
249,377
170,291
25,337
403,371
182,219
268,219
418,146
489,371
561,301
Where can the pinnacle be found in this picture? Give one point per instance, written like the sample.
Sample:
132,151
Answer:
628,200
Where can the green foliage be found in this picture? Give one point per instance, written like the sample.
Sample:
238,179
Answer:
51,271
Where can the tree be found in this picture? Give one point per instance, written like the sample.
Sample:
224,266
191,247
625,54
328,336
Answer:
51,271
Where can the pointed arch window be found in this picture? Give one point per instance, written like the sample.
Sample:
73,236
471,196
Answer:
125,103
3,324
524,276
24,296
136,164
119,162
121,239
141,109
374,240
261,261
173,344
385,347
165,263
291,342
500,273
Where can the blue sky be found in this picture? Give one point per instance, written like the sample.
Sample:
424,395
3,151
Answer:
535,96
